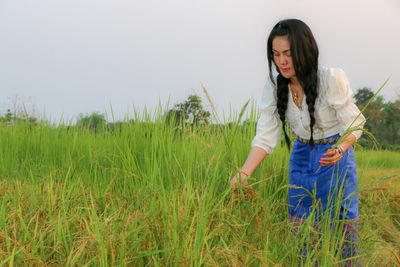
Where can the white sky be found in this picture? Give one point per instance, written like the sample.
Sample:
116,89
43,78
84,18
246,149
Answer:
78,56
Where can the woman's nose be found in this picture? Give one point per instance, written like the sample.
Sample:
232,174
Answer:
282,60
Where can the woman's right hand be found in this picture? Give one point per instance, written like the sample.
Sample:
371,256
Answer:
239,177
256,155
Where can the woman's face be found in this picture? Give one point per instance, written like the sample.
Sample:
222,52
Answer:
282,56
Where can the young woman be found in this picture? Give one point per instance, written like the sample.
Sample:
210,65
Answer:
317,104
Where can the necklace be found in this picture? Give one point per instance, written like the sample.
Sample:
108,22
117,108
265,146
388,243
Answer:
295,97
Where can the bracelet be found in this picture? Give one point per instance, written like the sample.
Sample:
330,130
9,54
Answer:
340,149
245,173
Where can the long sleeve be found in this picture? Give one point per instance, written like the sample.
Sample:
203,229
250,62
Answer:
268,126
340,98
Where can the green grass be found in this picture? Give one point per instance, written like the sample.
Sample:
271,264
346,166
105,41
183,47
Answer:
380,159
152,194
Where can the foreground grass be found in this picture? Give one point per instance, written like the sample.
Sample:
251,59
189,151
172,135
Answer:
154,195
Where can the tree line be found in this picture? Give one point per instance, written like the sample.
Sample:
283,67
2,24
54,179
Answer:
383,119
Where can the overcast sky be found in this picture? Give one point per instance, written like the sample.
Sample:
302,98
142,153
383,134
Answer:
78,56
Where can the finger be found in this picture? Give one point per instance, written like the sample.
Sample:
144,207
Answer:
329,153
330,157
330,160
328,163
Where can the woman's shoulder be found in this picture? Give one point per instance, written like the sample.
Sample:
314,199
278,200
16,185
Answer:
334,86
329,74
330,78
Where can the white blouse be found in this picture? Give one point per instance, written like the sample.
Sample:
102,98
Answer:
334,111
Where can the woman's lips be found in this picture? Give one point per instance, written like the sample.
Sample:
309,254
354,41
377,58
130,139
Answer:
285,69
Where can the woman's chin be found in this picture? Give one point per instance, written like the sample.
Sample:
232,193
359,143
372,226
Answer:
286,75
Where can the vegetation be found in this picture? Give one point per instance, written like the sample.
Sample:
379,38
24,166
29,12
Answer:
147,196
190,112
92,121
137,193
383,120
11,118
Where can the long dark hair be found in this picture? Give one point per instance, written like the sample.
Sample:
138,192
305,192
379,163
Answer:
304,53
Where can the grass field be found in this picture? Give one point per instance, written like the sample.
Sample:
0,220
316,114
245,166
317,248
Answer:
150,194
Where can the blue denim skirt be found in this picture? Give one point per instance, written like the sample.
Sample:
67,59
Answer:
330,189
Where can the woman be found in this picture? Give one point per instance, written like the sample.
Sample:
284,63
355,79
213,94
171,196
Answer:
317,104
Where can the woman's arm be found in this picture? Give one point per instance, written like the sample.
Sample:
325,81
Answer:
333,156
255,157
340,98
267,134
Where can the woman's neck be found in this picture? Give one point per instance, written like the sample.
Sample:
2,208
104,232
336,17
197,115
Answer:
295,84
294,81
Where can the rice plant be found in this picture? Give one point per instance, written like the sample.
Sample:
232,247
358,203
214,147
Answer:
150,193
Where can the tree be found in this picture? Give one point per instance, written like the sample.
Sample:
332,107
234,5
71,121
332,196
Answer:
190,111
8,117
92,121
12,118
363,95
391,130
383,119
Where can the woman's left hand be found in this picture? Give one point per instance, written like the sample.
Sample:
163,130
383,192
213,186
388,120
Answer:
332,156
